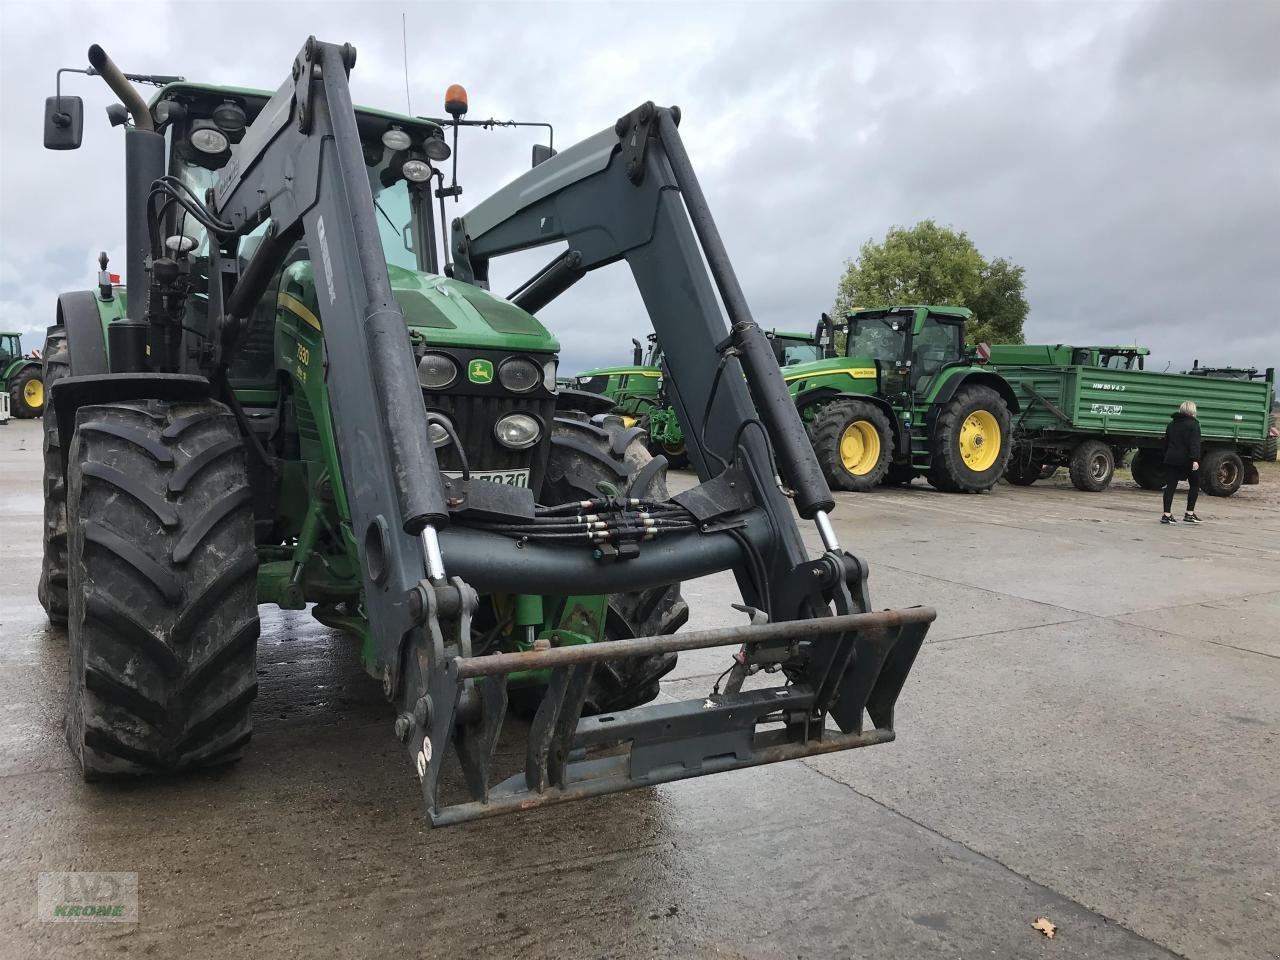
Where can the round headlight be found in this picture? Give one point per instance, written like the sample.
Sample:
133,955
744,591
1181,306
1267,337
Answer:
436,371
416,171
519,375
396,139
437,432
208,140
517,431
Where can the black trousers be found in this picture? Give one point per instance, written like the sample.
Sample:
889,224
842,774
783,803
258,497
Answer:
1171,477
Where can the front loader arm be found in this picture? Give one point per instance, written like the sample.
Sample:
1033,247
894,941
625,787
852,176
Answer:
300,163
630,193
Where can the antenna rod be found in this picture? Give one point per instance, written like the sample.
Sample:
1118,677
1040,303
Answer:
404,42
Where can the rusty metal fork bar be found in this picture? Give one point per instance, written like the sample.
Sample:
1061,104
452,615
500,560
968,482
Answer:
504,663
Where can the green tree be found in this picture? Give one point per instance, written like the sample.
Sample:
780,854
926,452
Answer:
937,265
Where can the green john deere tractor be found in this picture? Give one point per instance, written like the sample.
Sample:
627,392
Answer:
638,396
901,398
20,377
307,396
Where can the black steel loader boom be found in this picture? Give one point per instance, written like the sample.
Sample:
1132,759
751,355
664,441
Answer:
628,193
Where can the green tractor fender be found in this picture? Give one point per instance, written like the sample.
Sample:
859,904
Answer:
949,381
810,400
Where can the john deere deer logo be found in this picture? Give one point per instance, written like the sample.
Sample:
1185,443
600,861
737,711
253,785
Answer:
480,371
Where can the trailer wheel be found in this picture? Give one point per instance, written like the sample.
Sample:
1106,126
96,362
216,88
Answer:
1147,469
1093,464
1023,468
853,440
972,438
162,566
1221,472
52,589
26,393
584,455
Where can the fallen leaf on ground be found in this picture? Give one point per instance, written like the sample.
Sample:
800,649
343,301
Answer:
1046,926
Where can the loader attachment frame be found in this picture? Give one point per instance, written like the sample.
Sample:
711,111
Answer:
629,194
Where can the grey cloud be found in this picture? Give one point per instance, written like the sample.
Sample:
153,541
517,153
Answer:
1125,154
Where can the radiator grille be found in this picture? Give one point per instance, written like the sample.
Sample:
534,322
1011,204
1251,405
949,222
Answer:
474,416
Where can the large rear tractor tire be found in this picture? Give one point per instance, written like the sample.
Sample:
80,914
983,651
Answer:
1147,469
1221,472
26,393
592,458
853,440
972,438
1093,464
163,625
52,589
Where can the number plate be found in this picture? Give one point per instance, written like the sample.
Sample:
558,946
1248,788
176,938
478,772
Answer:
514,478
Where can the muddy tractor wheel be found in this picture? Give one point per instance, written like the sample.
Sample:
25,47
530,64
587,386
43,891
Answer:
26,393
1093,464
1147,469
1221,472
853,441
163,625
52,589
972,438
593,458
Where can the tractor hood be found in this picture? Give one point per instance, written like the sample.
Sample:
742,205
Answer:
441,311
801,376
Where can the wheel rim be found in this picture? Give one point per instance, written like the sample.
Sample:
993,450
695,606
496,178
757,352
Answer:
33,393
860,448
1226,473
1098,467
673,449
980,440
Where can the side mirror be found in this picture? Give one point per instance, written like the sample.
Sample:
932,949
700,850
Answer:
542,153
63,123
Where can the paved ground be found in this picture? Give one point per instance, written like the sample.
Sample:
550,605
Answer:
1092,735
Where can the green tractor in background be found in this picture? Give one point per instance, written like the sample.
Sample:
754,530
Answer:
637,390
898,396
20,378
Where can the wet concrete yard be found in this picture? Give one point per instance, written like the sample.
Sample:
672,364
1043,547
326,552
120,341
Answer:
1092,735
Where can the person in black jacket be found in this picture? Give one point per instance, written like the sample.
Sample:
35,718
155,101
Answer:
1182,461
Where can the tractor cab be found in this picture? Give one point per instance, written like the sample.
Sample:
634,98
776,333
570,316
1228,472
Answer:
10,347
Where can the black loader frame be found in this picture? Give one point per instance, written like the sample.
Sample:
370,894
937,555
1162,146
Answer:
627,194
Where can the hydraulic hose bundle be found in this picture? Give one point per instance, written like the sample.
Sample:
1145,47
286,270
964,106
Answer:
604,520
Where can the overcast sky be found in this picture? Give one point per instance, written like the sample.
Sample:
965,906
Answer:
1127,154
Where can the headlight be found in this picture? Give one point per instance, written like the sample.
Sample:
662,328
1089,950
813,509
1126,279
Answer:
396,139
436,371
416,171
437,432
517,431
549,375
519,375
210,141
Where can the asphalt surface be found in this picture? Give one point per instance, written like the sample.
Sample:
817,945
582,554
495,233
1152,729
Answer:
1090,735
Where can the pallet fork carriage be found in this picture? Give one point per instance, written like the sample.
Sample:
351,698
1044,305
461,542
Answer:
628,193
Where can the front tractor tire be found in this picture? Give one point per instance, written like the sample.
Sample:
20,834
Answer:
972,437
52,589
853,440
27,393
589,458
163,624
1092,466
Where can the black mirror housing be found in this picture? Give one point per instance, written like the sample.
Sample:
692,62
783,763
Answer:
542,153
63,123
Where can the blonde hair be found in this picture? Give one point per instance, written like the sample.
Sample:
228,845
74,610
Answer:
1188,407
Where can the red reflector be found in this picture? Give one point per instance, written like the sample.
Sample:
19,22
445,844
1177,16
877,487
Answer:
115,277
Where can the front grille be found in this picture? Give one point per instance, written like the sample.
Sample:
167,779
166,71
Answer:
474,416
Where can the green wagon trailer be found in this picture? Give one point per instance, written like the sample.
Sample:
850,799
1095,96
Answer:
1089,415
